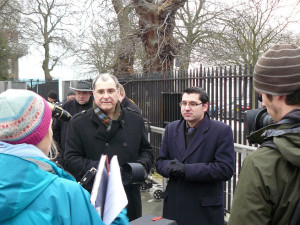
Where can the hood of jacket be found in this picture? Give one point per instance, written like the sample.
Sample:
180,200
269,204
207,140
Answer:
288,144
22,181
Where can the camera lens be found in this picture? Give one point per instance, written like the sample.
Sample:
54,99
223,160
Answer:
263,119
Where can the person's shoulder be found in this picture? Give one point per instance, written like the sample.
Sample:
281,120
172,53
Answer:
263,158
218,123
68,104
132,110
81,115
173,124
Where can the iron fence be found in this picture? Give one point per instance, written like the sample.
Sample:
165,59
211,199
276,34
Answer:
230,92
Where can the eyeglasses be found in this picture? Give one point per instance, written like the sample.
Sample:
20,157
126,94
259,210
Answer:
190,104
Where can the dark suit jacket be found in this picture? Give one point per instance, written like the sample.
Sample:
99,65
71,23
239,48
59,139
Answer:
197,199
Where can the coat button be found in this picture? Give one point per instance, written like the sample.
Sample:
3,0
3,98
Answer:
106,144
125,144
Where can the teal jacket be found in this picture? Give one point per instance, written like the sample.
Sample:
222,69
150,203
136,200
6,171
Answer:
31,195
269,184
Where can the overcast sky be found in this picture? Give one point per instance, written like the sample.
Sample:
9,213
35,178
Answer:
30,67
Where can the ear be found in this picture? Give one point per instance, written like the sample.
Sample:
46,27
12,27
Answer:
205,107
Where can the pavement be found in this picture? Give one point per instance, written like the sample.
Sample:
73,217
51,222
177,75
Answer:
153,206
149,204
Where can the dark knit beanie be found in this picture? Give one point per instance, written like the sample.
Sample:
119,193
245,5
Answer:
70,92
52,94
277,71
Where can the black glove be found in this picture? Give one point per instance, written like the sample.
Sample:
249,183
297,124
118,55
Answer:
175,169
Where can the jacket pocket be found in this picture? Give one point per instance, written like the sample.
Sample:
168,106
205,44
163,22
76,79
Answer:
211,201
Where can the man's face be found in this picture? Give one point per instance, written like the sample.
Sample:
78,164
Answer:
106,95
82,97
71,97
51,100
192,114
269,103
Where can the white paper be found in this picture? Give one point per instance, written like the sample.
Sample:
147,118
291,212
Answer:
116,199
108,195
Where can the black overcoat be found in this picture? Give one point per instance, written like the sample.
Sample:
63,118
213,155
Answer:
197,199
60,127
127,103
87,139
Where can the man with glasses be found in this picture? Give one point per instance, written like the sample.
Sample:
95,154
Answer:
83,101
197,155
268,190
108,129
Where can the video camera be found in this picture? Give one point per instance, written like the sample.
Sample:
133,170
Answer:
257,119
59,113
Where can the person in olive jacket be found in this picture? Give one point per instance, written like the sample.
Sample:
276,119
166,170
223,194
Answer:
83,101
268,189
108,129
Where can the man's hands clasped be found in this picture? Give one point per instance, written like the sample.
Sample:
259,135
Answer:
175,169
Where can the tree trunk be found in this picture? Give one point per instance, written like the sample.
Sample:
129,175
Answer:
126,47
46,60
156,22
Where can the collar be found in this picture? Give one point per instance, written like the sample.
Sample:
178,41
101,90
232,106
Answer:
196,126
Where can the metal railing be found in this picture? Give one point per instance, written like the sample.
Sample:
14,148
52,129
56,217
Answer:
241,151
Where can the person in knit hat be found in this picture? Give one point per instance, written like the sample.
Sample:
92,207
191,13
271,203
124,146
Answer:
268,187
52,97
33,189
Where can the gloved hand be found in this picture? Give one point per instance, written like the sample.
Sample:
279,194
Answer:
175,169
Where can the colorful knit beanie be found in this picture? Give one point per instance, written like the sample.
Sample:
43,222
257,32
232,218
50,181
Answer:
24,117
277,72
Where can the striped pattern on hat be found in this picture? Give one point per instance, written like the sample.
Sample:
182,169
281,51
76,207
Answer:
277,72
24,117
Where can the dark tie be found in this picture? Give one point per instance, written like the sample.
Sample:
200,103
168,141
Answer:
191,130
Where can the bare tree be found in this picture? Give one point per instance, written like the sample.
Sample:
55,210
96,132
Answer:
197,22
47,24
4,55
156,26
10,48
97,54
250,30
127,39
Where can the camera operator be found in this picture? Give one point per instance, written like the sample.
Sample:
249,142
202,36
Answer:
83,101
268,189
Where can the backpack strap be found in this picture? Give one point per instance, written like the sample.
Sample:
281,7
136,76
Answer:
269,143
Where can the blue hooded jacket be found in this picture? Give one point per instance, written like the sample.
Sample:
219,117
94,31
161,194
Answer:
30,195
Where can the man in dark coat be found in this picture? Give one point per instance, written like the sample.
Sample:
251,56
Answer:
126,102
83,101
197,155
108,129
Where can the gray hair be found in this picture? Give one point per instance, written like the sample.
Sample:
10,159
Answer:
105,77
